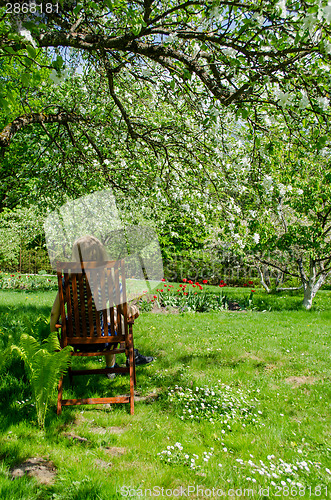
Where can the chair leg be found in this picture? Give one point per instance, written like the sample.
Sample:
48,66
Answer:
59,397
134,365
132,369
132,379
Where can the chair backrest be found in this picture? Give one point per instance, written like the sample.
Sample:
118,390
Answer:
93,304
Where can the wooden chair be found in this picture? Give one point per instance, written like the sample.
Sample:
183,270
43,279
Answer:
87,328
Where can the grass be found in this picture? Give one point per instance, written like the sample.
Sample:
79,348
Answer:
278,360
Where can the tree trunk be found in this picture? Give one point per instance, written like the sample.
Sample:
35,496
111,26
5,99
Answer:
264,278
310,285
309,294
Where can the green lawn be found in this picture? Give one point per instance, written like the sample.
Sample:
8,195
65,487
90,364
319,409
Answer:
265,375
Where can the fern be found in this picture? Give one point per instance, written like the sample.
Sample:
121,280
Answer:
45,364
4,358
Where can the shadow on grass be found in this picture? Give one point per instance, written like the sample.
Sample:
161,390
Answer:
204,359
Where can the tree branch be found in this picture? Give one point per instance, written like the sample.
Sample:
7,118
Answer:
268,263
12,128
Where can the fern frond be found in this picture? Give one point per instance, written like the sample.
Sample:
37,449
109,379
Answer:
52,344
4,358
28,348
46,363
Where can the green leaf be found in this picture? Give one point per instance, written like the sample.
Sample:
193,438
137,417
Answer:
321,142
10,50
186,74
3,103
27,61
31,51
58,63
25,78
78,8
136,29
313,9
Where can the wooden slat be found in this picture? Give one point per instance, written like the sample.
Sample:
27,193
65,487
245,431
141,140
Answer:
118,299
96,401
101,371
99,354
110,290
89,304
75,303
82,303
96,340
62,307
124,301
68,302
103,302
96,314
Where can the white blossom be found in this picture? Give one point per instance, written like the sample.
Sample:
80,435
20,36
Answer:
256,237
282,189
284,98
267,183
27,35
304,101
282,6
327,12
323,102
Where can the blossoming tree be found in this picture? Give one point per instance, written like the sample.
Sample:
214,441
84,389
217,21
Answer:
166,102
283,207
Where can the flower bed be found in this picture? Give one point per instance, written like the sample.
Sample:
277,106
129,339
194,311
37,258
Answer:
27,282
191,296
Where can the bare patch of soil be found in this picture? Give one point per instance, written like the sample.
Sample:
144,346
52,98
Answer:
102,464
149,398
297,381
107,430
115,450
75,437
270,367
253,357
43,470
